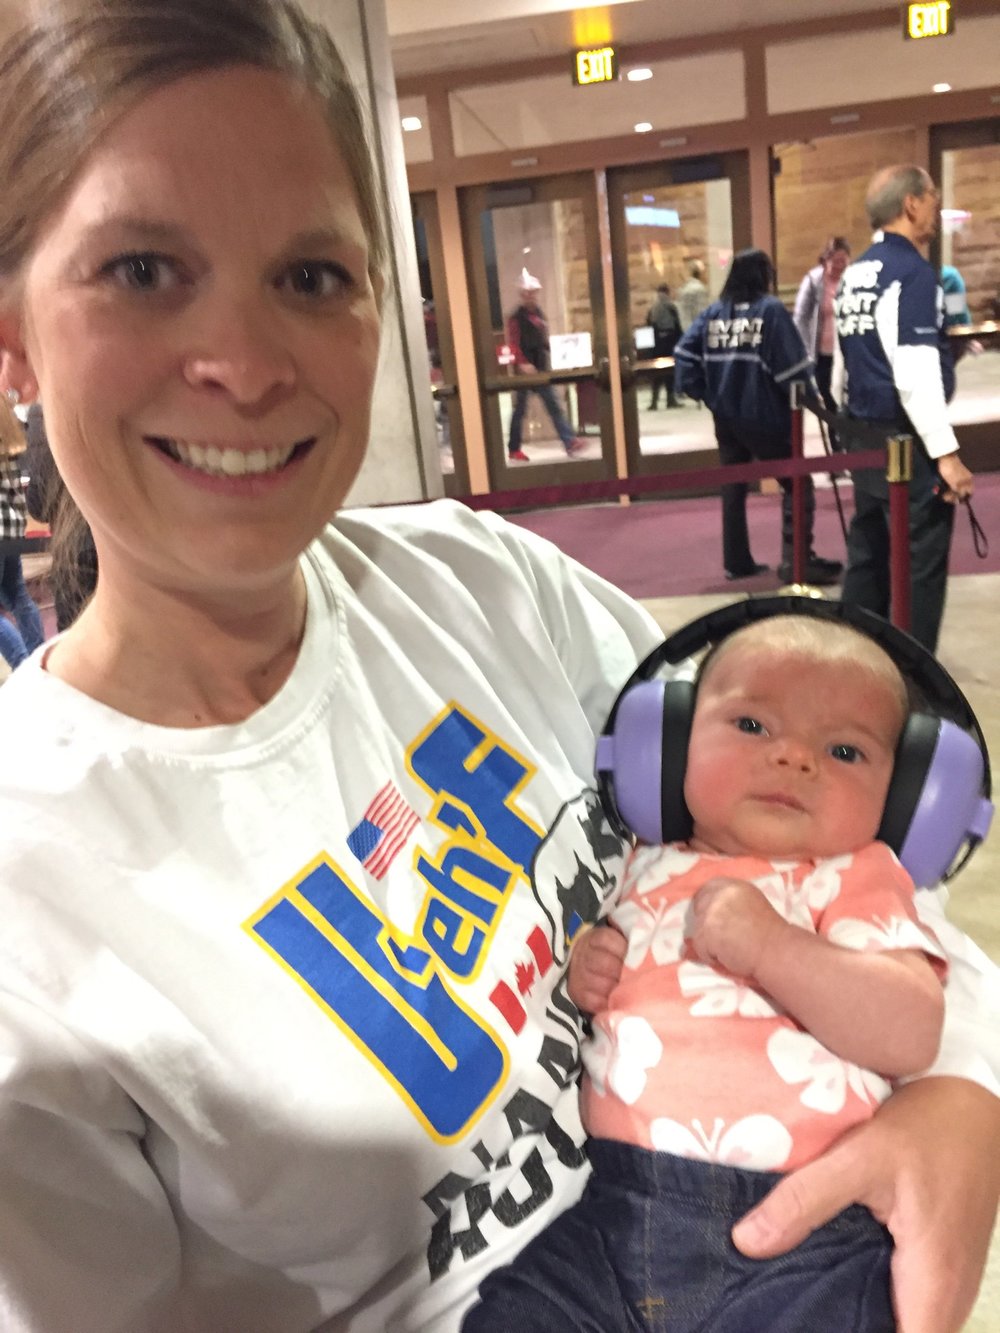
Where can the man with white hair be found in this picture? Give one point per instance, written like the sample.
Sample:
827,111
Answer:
528,337
899,376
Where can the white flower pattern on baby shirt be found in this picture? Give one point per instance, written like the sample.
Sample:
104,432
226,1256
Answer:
798,1057
756,1142
618,1060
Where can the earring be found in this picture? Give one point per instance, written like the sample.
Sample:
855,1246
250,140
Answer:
12,396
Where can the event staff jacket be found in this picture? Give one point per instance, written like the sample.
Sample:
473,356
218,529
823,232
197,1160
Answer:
897,363
740,361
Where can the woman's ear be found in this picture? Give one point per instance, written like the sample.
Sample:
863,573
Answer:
15,369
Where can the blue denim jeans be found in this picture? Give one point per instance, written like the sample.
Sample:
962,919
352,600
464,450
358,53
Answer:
563,429
12,648
648,1248
15,598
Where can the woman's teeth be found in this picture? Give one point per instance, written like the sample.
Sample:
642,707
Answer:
227,462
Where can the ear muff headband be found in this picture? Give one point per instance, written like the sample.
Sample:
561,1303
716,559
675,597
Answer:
938,799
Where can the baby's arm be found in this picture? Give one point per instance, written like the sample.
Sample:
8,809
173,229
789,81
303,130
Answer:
595,964
883,1011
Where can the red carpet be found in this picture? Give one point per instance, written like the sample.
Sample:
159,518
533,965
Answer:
672,548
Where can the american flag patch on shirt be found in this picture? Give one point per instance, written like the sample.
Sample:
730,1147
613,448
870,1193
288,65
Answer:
382,830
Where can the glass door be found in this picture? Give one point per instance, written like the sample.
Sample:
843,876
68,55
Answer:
674,229
965,163
441,369
533,253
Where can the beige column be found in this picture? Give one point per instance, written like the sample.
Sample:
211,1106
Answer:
755,76
402,461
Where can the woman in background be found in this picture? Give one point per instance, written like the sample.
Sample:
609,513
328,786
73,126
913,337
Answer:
813,313
740,357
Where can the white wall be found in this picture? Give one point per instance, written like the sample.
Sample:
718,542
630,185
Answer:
402,461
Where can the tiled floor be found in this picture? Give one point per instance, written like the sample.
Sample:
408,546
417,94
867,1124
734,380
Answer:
968,651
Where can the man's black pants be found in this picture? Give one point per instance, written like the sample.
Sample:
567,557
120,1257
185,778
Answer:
866,581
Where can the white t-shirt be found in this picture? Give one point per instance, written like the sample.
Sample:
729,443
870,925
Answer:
284,1040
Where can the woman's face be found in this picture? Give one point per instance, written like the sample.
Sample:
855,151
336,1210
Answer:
836,263
203,329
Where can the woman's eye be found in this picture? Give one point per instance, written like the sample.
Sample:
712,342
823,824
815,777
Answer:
142,272
751,726
316,279
847,754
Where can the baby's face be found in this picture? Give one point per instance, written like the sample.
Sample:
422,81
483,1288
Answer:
789,757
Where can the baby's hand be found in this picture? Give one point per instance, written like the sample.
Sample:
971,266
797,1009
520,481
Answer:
731,924
595,965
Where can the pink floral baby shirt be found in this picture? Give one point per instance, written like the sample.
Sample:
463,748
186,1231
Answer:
691,1060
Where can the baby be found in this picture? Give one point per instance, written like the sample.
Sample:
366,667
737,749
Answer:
765,981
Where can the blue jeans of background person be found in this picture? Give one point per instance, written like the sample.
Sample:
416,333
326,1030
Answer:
546,394
15,598
12,648
647,1249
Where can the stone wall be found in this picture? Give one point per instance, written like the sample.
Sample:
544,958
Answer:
975,243
660,254
820,192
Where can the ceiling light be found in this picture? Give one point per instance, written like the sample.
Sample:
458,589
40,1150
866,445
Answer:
637,75
941,88
411,123
643,127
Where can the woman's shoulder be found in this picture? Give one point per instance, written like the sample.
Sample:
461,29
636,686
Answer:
436,532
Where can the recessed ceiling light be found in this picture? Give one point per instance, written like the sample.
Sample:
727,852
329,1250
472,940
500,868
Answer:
411,123
637,75
643,127
941,88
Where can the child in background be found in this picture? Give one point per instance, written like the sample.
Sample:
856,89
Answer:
766,980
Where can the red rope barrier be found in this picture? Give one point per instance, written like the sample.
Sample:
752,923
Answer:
579,492
797,467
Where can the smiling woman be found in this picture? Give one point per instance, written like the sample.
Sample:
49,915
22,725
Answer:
303,814
207,381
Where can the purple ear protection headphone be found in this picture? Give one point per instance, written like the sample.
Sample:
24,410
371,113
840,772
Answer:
938,804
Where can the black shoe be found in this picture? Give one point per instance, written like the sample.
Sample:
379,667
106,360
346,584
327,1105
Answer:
822,573
834,566
672,402
733,574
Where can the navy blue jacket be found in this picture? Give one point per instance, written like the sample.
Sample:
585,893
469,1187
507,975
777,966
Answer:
740,361
891,328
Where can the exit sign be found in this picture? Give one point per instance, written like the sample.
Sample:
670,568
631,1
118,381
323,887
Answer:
597,65
935,19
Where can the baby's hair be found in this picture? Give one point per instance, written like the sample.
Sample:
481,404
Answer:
815,640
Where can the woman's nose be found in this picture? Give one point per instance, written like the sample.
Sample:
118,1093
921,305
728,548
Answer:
242,355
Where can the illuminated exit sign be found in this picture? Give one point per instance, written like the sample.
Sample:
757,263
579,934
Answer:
598,65
936,19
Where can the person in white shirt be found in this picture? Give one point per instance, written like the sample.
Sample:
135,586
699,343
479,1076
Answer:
290,865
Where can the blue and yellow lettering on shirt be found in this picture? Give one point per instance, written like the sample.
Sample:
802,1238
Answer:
395,994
